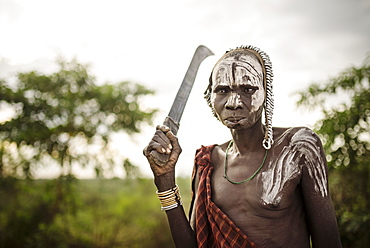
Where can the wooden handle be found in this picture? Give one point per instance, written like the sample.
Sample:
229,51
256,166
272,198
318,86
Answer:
161,159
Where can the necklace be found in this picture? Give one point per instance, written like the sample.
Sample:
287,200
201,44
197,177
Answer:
248,179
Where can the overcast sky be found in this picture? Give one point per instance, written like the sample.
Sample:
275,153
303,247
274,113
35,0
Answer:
152,43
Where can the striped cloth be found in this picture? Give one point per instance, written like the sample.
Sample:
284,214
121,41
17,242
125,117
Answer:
213,227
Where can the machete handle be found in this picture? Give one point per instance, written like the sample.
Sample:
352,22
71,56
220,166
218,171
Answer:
161,159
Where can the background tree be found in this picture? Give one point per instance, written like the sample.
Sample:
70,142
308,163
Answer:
66,119
345,132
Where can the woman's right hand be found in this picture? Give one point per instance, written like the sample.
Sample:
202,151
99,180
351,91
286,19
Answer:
165,142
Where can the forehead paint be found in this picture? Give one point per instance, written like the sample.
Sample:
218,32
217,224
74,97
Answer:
304,144
239,69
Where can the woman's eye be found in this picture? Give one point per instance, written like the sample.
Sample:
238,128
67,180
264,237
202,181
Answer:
221,90
250,89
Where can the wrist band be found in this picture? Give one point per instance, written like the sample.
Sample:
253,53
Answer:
170,199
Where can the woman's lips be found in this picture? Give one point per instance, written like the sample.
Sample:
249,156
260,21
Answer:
233,121
235,118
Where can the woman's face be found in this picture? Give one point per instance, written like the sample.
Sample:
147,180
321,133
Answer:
238,92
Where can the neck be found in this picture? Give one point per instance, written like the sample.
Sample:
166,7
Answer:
248,140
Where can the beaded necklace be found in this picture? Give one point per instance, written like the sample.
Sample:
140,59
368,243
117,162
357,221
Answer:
248,179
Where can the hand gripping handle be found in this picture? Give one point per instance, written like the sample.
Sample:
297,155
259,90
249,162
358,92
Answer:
161,159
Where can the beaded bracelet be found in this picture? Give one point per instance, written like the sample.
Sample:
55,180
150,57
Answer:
170,199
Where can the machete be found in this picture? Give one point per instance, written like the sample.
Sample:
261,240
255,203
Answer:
178,106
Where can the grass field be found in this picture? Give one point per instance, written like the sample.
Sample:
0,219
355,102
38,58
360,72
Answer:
84,213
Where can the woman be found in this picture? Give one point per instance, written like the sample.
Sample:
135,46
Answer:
266,187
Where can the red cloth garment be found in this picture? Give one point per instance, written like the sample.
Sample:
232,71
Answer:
213,227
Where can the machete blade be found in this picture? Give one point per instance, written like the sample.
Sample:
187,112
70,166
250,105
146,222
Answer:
183,93
178,106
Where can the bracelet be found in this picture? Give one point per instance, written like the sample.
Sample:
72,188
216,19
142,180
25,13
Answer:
170,199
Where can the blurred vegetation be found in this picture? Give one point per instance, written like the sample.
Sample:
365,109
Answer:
100,213
345,132
66,119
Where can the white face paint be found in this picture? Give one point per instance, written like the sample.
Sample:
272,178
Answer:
236,71
304,143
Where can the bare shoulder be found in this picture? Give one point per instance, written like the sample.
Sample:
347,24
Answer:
292,135
218,153
295,150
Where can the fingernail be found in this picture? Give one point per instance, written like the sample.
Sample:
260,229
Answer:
168,150
170,146
163,150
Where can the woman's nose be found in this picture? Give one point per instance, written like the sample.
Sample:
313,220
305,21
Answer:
234,102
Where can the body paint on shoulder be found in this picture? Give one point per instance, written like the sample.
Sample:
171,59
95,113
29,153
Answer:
287,166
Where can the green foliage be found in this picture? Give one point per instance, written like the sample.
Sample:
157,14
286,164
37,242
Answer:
28,207
345,131
99,213
65,118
